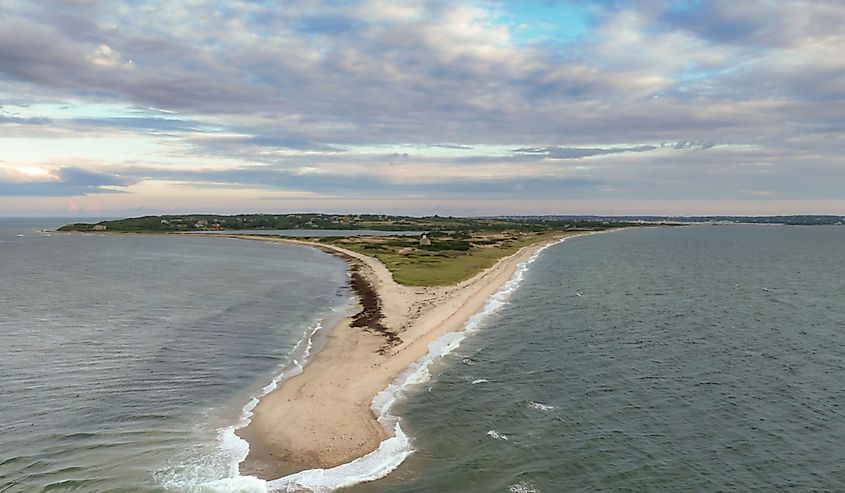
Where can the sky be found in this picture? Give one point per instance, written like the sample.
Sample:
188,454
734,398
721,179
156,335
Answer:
120,108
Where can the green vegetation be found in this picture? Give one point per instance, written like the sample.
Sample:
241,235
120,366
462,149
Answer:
458,225
447,260
460,247
456,248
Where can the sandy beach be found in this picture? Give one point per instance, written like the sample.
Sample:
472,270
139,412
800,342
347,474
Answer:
322,418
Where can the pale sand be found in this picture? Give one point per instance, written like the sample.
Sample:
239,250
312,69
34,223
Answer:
322,417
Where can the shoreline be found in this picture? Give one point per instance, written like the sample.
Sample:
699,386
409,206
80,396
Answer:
328,426
325,417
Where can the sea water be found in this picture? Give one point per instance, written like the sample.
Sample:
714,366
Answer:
127,361
656,359
707,358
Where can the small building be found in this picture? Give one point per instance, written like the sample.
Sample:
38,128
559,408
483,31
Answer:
424,240
100,227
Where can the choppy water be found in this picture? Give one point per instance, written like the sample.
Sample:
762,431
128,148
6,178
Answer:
688,359
685,359
125,358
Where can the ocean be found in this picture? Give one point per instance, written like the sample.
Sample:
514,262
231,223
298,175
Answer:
706,358
128,360
695,359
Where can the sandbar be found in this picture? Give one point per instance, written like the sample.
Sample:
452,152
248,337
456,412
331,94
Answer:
322,417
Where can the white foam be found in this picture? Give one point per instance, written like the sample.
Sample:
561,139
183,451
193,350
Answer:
523,487
232,449
372,466
480,380
540,406
238,448
392,451
498,436
238,484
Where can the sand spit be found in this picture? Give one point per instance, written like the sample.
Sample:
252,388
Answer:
323,417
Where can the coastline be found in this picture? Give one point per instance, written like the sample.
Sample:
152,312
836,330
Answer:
325,416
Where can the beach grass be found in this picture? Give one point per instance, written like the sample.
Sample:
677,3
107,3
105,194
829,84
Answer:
448,260
459,248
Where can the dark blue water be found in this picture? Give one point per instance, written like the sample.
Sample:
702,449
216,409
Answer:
126,359
685,359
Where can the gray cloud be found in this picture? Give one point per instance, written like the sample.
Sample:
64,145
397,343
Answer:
68,181
375,184
15,120
285,85
579,152
385,82
451,146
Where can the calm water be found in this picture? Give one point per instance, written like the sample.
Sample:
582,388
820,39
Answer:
126,360
689,359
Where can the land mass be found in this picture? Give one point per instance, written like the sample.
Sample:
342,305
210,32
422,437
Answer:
322,418
410,290
316,221
453,249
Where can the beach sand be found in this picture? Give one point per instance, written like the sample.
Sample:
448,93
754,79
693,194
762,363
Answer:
322,418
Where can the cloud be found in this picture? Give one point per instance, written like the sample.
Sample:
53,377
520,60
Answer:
425,97
579,152
140,123
14,120
451,146
61,181
375,183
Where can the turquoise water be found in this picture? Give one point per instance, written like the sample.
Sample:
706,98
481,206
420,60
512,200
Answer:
686,359
127,360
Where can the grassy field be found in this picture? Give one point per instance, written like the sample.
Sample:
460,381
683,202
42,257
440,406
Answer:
459,249
448,260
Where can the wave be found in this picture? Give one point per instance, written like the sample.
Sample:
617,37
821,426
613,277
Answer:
523,487
498,436
540,406
193,474
392,451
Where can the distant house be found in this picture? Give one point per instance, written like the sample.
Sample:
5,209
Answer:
165,221
100,227
424,240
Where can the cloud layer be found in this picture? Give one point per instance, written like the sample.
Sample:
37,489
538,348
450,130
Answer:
437,101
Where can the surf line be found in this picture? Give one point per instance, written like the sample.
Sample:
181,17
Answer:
412,350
